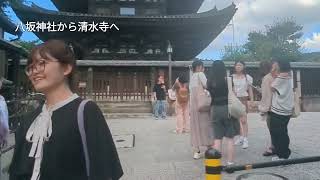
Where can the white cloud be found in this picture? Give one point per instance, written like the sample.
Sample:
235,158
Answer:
313,43
253,15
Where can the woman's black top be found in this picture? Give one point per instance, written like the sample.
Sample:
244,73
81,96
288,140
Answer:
219,93
63,156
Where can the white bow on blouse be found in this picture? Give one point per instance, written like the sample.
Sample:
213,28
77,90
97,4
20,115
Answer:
40,131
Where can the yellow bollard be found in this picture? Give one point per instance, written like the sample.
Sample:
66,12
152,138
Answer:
213,164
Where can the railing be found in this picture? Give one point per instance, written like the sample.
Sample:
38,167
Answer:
310,85
102,95
117,91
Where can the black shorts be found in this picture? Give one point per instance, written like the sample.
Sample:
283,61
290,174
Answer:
223,125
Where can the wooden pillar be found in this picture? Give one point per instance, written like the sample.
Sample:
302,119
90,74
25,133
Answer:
190,72
1,33
152,78
299,91
3,63
75,86
135,91
90,83
16,68
119,86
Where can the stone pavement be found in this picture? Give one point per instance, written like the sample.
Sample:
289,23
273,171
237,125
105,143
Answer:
159,154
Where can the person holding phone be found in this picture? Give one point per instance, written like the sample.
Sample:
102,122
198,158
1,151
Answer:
159,95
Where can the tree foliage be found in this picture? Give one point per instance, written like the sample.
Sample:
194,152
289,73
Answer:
232,53
313,57
279,41
27,45
5,3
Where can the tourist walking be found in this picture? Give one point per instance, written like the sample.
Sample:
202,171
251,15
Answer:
159,96
281,110
242,87
224,126
269,70
53,142
201,130
182,105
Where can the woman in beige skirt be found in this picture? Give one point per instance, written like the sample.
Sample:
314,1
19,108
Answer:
201,129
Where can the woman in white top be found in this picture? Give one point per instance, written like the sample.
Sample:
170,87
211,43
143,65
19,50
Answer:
242,87
200,126
282,106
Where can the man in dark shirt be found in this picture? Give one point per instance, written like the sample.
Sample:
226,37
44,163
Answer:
159,95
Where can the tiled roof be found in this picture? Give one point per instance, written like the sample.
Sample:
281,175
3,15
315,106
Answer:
189,33
13,48
8,26
173,6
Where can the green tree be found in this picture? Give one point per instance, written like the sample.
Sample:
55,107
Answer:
280,41
6,3
27,45
313,57
233,53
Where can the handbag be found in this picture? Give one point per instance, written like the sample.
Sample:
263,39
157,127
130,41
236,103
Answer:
204,98
235,107
296,108
172,94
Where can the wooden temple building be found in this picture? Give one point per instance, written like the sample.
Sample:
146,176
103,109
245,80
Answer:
121,63
10,55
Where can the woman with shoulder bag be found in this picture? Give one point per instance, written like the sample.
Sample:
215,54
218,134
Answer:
224,126
201,130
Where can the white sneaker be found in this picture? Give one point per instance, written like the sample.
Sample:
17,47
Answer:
276,158
230,163
196,155
238,141
245,143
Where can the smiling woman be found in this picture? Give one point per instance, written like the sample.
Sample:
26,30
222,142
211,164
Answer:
48,143
42,63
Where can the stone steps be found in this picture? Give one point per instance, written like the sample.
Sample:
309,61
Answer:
127,115
125,107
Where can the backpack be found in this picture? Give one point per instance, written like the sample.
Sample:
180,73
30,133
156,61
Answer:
183,94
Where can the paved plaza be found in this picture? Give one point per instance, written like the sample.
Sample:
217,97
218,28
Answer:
159,154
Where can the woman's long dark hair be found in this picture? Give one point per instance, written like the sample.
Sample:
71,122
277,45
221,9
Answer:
217,75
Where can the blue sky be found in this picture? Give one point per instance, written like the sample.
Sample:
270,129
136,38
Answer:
28,36
251,15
